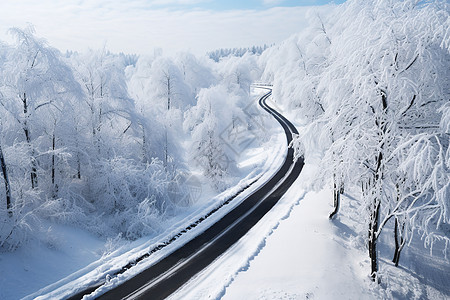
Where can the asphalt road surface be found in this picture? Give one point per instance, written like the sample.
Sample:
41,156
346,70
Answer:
166,276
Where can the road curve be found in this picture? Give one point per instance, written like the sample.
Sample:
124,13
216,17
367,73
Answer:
166,276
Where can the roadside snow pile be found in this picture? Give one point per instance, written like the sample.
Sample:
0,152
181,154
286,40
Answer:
307,257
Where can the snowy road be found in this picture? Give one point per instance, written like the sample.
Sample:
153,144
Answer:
172,272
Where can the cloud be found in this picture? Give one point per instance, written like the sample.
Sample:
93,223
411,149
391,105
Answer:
135,26
272,2
177,2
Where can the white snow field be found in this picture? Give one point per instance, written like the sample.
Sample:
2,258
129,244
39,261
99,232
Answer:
305,258
309,257
31,268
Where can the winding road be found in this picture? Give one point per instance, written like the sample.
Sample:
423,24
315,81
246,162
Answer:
169,274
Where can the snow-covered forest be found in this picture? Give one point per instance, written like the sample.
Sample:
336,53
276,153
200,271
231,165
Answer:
373,90
98,140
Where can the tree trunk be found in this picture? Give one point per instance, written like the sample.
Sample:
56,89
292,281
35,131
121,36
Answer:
397,245
336,199
166,152
54,185
6,180
377,192
53,159
33,174
169,92
375,216
97,130
399,241
373,229
78,166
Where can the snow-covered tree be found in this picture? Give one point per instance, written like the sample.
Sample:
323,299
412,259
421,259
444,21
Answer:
239,72
383,95
35,91
35,80
206,121
162,94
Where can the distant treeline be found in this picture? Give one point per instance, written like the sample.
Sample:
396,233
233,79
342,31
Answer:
216,55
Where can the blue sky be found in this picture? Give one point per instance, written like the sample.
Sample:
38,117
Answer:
140,26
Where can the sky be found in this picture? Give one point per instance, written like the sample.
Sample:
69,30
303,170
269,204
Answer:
140,26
